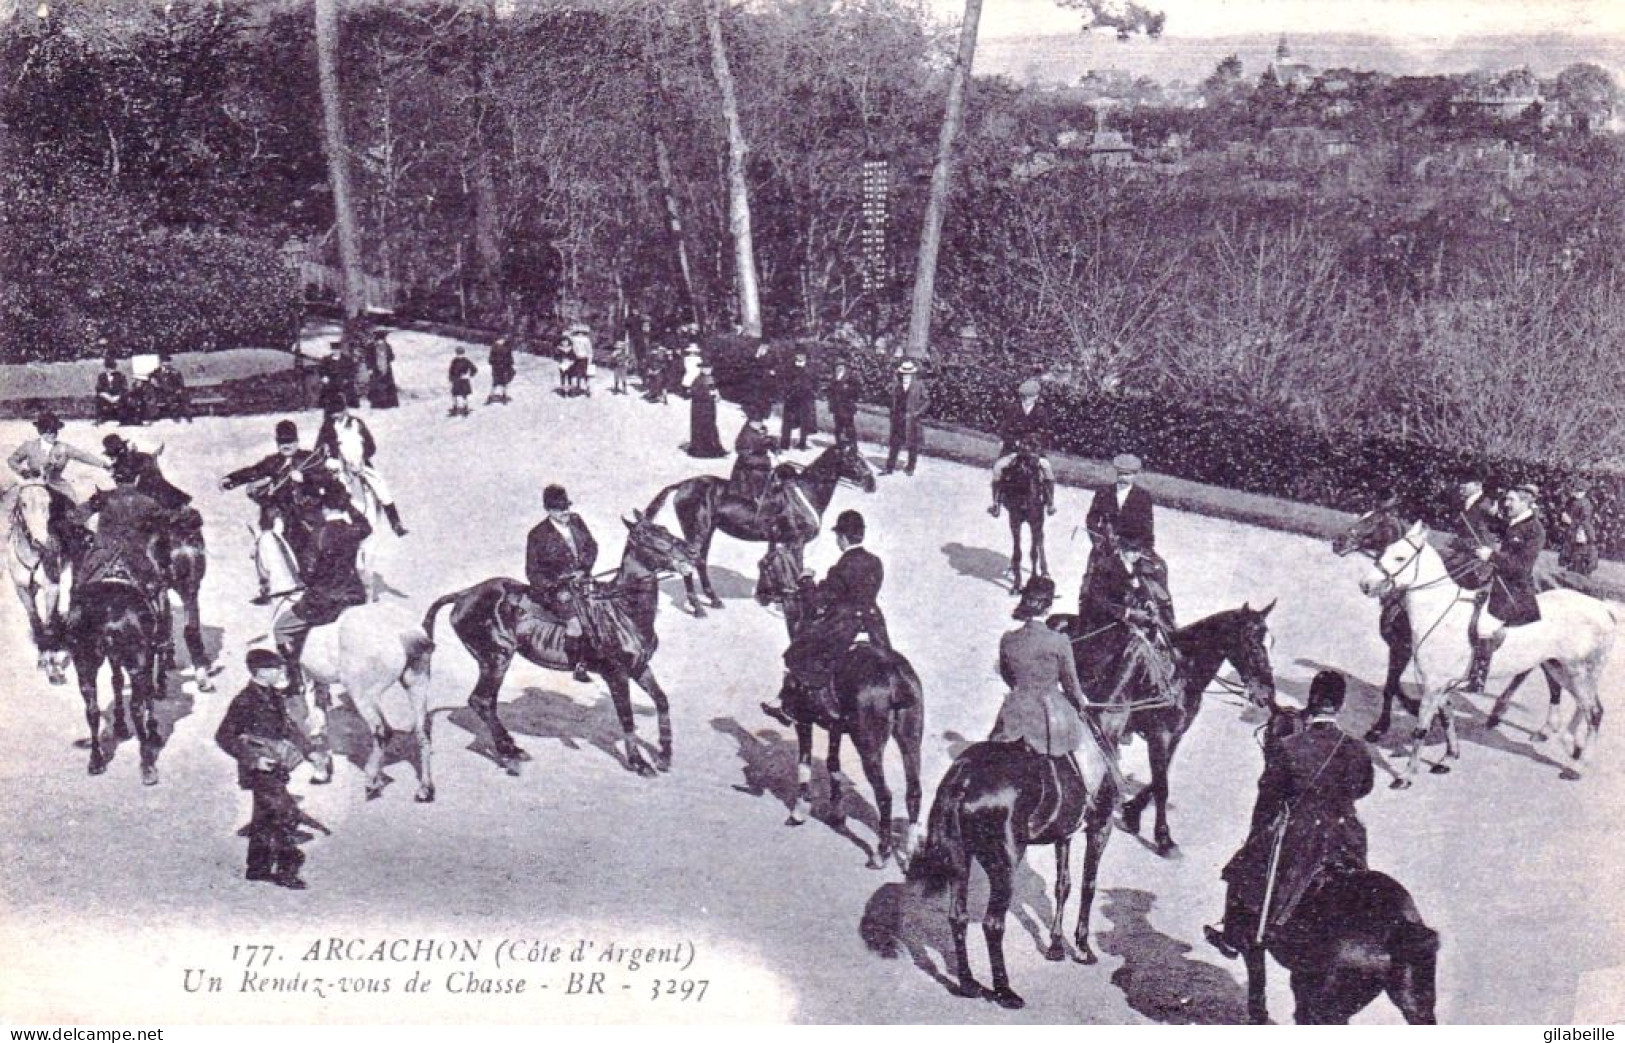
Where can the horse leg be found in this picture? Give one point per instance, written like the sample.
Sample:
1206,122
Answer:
657,695
798,811
121,729
192,635
493,663
1162,762
838,782
1392,688
703,567
1015,552
1000,880
85,667
1503,700
1257,1005
36,621
959,924
1056,951
1555,674
620,693
144,684
1097,834
1338,995
907,730
1040,554
872,752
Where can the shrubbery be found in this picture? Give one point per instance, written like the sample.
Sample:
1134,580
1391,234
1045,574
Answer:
79,266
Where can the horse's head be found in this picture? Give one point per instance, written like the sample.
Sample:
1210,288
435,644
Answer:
849,465
34,512
1370,533
1247,646
1401,565
655,548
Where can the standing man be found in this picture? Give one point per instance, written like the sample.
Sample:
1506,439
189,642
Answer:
1579,553
909,401
843,404
112,392
800,402
559,556
258,734
345,438
1304,823
169,398
841,608
1122,510
656,368
1511,597
502,370
381,390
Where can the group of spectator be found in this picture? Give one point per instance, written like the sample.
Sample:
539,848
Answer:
161,395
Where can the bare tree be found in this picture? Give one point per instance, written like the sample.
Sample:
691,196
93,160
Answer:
338,162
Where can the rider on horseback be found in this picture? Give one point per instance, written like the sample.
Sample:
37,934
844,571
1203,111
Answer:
843,606
332,583
44,459
346,438
284,495
1126,600
1304,823
1044,709
1022,432
1025,460
752,477
131,466
131,544
1510,599
1477,524
559,556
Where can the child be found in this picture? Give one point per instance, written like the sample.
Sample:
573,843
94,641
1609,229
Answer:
462,381
619,360
259,735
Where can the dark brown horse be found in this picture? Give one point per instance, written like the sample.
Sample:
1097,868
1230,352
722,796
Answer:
1355,935
794,512
114,621
492,624
1238,636
1027,500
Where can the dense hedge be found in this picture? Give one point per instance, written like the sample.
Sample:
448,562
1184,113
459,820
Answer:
1236,450
77,268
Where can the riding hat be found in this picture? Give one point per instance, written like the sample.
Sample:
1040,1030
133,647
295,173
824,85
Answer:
907,366
114,445
1029,388
287,432
263,659
1036,598
1126,463
47,423
850,524
554,498
1326,693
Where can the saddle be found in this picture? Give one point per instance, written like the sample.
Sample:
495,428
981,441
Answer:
540,628
1063,797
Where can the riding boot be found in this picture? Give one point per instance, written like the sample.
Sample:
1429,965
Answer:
994,508
576,649
394,517
1483,652
775,709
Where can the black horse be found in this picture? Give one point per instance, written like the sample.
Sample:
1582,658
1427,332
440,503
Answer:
115,621
1355,935
875,693
704,507
493,625
1372,533
1237,636
1028,498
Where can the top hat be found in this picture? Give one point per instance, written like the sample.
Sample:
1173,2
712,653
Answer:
1326,692
554,498
1126,463
47,423
286,432
908,366
1036,598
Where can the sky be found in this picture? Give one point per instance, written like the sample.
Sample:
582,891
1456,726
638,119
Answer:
1434,19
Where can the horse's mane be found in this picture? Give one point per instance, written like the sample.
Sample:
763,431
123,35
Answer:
1191,631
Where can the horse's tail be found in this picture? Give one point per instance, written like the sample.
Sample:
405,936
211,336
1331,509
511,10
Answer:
434,610
419,648
937,863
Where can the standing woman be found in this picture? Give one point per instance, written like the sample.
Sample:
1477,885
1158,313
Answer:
703,440
501,362
381,391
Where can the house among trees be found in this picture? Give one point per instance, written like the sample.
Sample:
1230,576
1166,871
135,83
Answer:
1288,72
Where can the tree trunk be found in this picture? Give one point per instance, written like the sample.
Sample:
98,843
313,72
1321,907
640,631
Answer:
925,272
338,162
674,223
750,308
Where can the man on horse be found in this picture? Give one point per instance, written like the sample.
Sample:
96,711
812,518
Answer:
346,438
1025,424
1121,511
1510,598
1126,609
1304,823
842,607
143,473
332,583
1476,524
287,493
559,556
43,459
131,543
1024,467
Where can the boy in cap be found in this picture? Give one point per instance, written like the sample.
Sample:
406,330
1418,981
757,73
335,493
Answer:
909,401
258,734
461,374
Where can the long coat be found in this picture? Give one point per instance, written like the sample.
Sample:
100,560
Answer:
843,401
753,462
843,606
1475,526
1017,423
1512,591
703,439
1579,551
332,583
501,363
1045,701
800,399
1133,520
550,561
1312,780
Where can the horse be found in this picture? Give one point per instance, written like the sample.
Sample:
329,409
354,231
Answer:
997,800
704,507
367,650
1570,642
1353,936
877,694
188,561
1238,636
1024,493
1370,533
36,564
114,621
489,620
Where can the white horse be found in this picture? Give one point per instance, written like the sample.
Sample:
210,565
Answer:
1570,642
366,651
36,564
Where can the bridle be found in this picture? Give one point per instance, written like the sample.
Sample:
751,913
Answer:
1413,563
